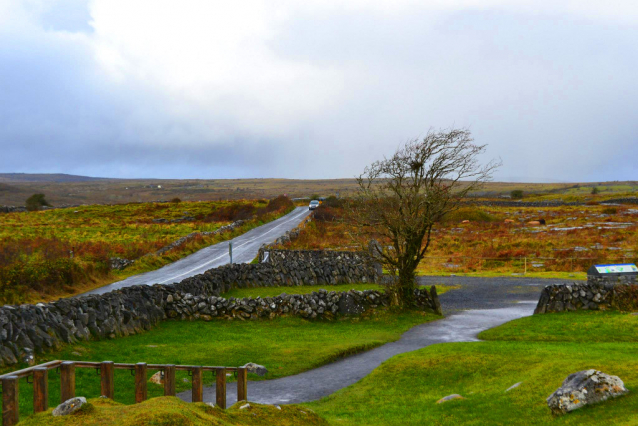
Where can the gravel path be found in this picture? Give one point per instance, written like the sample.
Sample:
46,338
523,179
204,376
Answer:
479,304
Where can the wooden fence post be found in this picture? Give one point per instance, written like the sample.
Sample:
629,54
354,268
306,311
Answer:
107,386
220,391
140,382
40,389
10,412
198,385
242,382
67,381
169,380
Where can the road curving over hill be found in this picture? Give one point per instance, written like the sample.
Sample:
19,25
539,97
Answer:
479,304
245,248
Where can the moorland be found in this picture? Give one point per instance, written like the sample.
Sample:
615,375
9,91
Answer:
69,190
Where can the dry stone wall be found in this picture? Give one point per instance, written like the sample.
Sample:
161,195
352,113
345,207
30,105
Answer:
29,329
321,304
598,293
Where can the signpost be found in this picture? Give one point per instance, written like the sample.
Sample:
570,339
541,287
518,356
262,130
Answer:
230,251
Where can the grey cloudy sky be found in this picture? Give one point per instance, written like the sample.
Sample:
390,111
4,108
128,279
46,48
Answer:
315,89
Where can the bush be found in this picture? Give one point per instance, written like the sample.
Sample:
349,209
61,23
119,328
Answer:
279,203
595,190
468,213
517,194
325,214
41,276
610,210
36,202
176,200
333,201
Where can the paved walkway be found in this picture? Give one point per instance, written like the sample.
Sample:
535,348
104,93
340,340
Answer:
479,304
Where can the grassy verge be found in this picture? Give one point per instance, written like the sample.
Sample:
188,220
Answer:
239,293
282,345
540,352
173,411
576,276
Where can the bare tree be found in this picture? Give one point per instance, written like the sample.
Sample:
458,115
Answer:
400,198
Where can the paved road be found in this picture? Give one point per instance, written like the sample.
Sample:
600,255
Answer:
245,248
491,302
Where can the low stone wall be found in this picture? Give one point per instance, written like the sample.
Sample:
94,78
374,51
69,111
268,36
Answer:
321,304
27,329
592,295
314,267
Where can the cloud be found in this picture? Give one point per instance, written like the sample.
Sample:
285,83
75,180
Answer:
314,89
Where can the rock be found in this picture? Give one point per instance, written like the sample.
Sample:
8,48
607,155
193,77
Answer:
585,388
514,386
27,357
157,378
69,406
449,398
534,223
243,407
257,369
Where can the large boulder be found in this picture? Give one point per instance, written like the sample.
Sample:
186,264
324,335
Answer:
585,388
69,406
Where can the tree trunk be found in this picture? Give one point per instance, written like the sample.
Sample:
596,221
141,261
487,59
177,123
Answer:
406,286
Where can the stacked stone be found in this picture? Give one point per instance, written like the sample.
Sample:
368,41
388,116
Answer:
33,328
321,304
576,296
27,329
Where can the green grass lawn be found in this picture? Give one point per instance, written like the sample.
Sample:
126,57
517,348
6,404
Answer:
540,352
285,346
239,293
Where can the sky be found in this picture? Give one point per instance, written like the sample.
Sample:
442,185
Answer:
315,89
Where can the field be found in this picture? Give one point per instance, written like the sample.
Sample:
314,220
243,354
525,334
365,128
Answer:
67,190
404,390
50,253
573,238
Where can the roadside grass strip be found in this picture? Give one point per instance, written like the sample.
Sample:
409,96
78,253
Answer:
539,351
286,346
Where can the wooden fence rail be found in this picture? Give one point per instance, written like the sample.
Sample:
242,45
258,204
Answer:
40,382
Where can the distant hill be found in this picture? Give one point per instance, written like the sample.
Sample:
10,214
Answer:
45,177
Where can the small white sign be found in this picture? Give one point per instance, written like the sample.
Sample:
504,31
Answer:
616,269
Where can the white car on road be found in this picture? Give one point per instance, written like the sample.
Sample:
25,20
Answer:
313,205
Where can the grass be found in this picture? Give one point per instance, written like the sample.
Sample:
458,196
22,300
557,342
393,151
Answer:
539,351
240,293
173,411
575,276
580,326
282,345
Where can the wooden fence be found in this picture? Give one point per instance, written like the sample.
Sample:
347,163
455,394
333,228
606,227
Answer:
39,374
